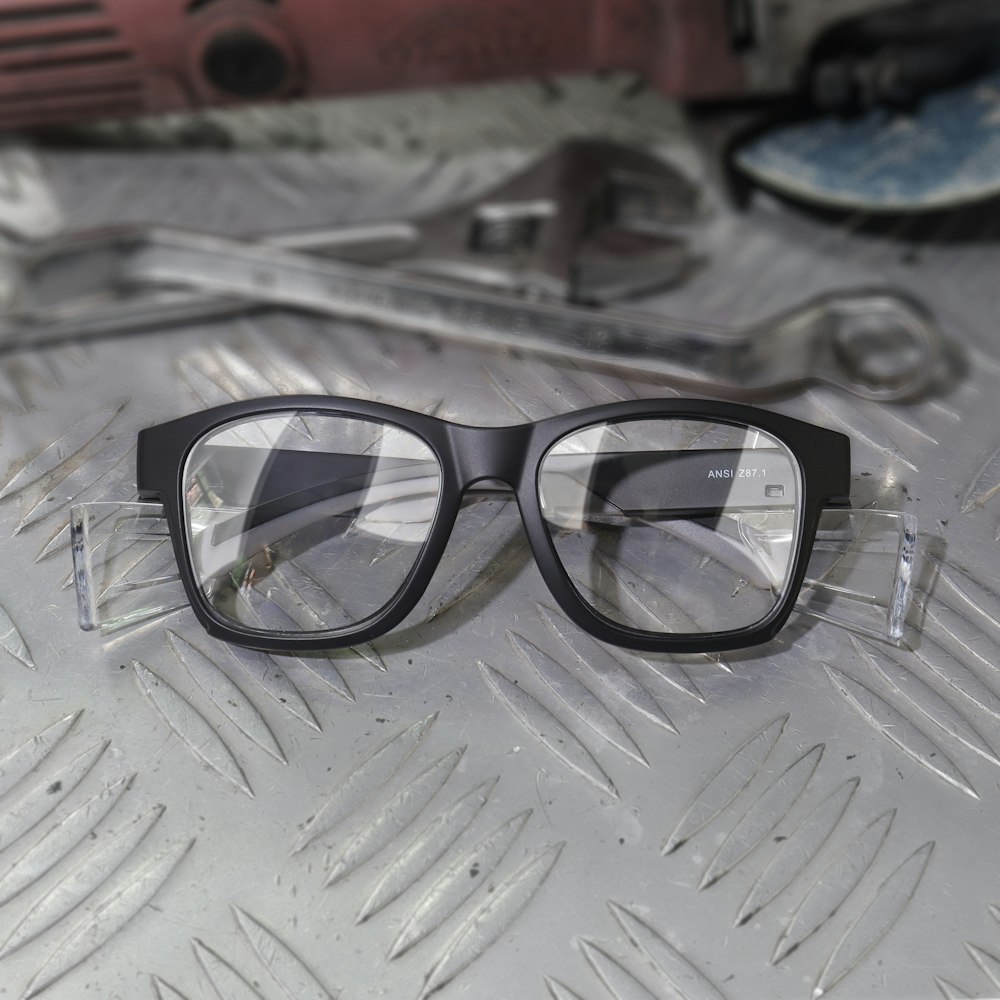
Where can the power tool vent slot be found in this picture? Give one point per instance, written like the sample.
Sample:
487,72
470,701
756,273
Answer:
196,5
60,35
18,14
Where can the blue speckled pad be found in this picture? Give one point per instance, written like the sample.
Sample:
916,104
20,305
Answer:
945,154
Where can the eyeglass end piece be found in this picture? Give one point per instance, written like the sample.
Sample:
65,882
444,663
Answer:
902,590
123,566
83,575
861,575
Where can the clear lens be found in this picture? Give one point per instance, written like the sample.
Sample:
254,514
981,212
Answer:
674,526
302,522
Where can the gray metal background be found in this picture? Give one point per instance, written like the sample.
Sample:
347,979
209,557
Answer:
189,858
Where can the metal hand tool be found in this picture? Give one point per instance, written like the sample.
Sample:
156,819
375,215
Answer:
591,223
875,344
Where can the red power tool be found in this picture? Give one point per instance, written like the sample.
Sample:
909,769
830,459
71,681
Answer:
71,61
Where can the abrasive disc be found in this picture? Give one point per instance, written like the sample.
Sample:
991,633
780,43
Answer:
944,153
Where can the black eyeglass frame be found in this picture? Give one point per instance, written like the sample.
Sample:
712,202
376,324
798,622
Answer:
467,455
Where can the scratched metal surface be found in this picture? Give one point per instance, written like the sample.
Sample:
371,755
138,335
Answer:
439,810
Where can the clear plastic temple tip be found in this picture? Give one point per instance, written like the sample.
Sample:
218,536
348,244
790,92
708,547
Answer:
123,565
860,576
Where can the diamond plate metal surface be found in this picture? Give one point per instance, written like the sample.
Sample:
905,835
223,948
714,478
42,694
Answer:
487,802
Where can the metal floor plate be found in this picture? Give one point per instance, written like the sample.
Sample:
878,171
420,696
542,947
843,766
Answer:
438,811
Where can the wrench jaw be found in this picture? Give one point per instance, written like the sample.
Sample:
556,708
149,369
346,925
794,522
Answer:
880,345
875,344
618,264
592,222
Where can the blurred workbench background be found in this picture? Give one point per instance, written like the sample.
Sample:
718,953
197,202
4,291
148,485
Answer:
212,813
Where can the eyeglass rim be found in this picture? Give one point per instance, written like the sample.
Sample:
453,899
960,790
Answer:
822,455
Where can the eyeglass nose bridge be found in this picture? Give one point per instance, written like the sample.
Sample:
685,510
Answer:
489,453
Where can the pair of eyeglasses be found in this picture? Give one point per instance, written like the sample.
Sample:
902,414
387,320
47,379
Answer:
313,522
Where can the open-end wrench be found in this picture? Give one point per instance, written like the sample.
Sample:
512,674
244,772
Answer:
873,343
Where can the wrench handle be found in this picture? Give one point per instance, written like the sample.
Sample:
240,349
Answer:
875,344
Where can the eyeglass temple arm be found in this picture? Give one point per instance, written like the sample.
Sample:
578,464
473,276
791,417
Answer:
700,481
860,576
577,488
